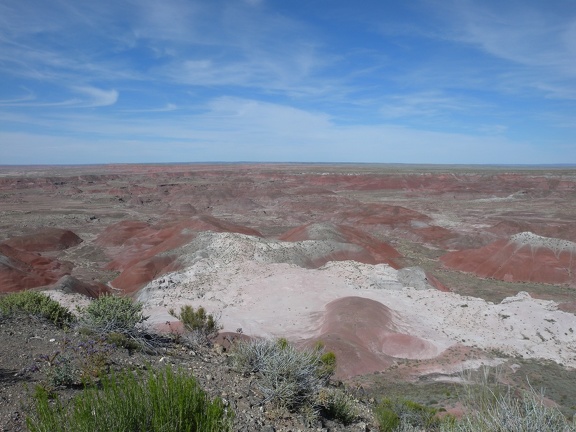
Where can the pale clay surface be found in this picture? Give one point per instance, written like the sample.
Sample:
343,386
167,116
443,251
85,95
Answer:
252,284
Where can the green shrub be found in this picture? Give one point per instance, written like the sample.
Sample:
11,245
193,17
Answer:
328,361
111,314
161,401
337,405
200,325
196,320
289,378
392,414
523,413
37,304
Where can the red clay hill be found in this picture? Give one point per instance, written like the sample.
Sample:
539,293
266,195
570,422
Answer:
524,257
22,266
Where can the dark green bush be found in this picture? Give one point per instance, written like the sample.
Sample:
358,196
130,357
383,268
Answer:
159,402
37,304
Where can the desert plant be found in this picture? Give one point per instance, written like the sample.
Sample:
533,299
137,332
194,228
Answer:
505,412
289,378
403,414
163,400
200,325
111,314
37,304
336,404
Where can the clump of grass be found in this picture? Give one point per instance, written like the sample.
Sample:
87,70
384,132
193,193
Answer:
111,314
403,414
489,407
493,407
37,304
337,405
163,400
288,378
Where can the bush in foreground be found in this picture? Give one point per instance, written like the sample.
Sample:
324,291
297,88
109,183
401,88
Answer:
111,314
37,304
289,378
490,408
163,400
506,412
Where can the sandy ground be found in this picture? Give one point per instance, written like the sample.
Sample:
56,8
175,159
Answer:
253,284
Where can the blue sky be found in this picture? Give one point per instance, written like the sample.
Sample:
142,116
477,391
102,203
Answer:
420,81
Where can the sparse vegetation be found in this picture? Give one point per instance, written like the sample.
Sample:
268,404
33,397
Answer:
111,314
163,400
337,404
489,407
399,414
289,377
523,413
200,325
36,304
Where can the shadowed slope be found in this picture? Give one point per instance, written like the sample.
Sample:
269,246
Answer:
44,240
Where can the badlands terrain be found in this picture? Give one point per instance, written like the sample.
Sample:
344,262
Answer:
410,274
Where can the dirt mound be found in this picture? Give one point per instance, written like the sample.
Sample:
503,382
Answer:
20,270
373,251
45,240
362,333
524,257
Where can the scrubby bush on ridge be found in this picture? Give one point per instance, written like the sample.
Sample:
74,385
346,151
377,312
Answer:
37,304
289,377
111,314
489,408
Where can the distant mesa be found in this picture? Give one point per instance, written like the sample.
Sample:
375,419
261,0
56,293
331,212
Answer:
45,240
524,257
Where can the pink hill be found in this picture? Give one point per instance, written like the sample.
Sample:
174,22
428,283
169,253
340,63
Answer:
362,334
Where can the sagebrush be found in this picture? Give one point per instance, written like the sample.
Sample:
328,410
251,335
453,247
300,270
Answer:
111,314
289,377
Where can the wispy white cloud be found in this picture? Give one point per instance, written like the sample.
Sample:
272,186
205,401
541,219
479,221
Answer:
428,104
230,79
232,129
97,97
